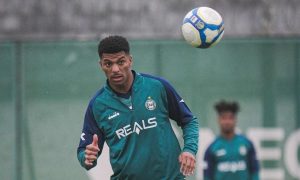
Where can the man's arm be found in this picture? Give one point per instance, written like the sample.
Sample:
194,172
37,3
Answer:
180,112
90,146
209,165
253,163
190,136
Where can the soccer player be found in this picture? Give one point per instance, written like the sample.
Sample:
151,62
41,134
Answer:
230,156
131,114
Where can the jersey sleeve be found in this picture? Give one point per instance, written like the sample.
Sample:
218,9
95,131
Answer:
253,163
180,112
209,165
90,128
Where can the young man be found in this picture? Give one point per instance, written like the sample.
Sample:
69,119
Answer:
230,156
131,114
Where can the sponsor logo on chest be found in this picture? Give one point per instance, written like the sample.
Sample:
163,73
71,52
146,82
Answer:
136,127
232,166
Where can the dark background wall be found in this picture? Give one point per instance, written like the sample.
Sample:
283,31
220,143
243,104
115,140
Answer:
56,19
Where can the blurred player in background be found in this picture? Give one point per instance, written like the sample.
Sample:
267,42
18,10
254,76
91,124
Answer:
230,156
131,113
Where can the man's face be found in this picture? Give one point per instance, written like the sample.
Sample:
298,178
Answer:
117,68
227,121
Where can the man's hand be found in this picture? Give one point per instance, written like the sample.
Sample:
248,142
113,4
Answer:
91,151
187,163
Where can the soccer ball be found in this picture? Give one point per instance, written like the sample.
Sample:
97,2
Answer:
203,27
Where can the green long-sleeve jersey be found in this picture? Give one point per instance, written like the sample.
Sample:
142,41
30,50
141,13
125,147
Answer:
137,130
231,159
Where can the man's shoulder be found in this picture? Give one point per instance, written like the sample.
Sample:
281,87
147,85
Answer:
215,144
157,80
154,78
244,139
97,95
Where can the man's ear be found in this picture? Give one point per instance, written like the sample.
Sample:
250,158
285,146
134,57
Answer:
100,63
131,61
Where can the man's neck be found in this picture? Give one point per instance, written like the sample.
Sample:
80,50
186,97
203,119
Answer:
228,136
122,89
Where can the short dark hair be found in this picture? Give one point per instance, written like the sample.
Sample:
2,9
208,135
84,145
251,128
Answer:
226,106
113,44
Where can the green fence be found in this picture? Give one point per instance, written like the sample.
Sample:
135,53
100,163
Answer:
45,88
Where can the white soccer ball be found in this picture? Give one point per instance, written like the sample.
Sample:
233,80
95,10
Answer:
202,27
